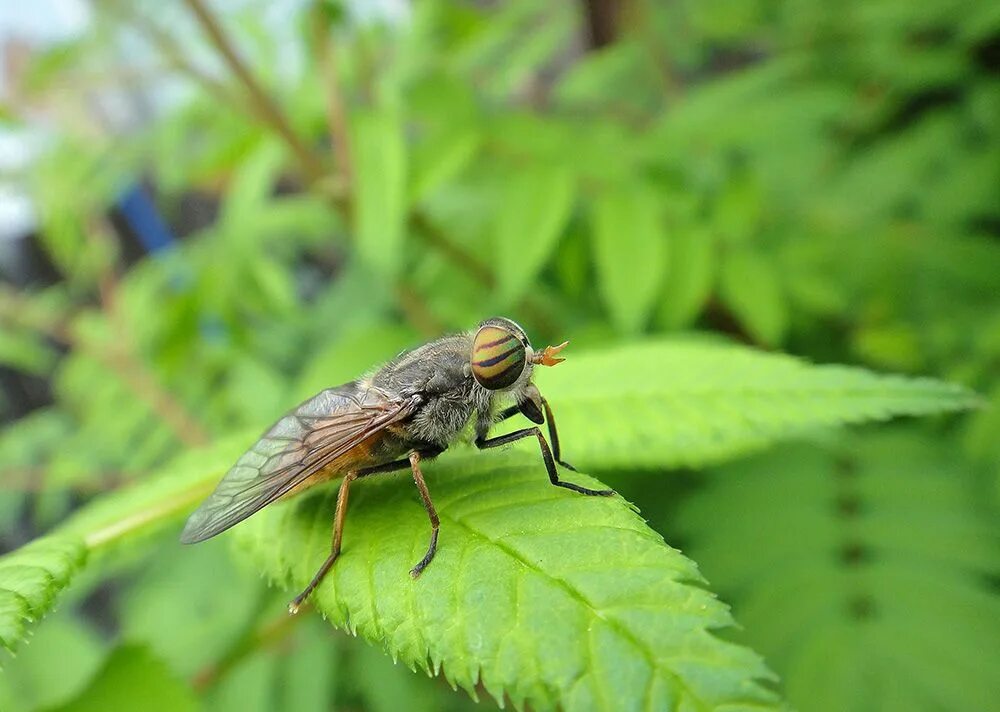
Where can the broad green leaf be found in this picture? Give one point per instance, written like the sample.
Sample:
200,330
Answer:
133,678
750,287
887,574
629,253
533,211
673,403
527,596
379,155
689,282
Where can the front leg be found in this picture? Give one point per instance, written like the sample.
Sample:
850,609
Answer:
484,443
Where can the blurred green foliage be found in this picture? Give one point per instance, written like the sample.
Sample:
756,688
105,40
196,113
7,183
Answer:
800,176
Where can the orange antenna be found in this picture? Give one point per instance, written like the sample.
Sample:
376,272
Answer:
547,356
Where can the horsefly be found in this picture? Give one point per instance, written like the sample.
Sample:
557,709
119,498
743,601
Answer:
409,410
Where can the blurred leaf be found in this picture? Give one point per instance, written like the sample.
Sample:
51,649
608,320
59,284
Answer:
133,678
672,403
689,282
26,352
737,212
310,672
629,253
379,155
249,687
53,666
531,216
505,568
250,188
191,607
887,573
749,286
439,160
357,351
387,686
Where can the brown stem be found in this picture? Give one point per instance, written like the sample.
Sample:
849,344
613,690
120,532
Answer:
457,254
416,310
167,46
260,102
326,60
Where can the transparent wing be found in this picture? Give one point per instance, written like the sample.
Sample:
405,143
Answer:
297,447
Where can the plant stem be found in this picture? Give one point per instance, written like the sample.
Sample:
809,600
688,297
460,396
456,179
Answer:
260,101
326,60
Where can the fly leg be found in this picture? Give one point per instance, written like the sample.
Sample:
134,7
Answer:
338,521
554,436
550,463
418,479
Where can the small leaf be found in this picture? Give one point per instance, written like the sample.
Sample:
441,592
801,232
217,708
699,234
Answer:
673,403
133,678
535,207
689,284
379,156
26,352
749,286
32,679
440,159
526,596
629,252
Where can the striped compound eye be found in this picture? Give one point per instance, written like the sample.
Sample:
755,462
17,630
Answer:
498,357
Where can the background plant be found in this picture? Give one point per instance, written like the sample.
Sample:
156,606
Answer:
656,183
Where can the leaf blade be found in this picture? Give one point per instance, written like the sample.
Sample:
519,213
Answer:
629,252
676,403
524,594
536,207
380,200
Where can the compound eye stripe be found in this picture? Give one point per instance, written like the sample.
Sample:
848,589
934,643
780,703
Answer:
497,357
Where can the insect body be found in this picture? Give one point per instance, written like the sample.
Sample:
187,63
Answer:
409,410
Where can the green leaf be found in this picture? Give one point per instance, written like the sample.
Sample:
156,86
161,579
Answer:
379,155
533,212
26,352
749,286
527,596
673,403
133,678
689,284
30,579
629,252
440,159
190,608
887,573
32,681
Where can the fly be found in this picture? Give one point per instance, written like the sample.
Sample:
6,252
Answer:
409,410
